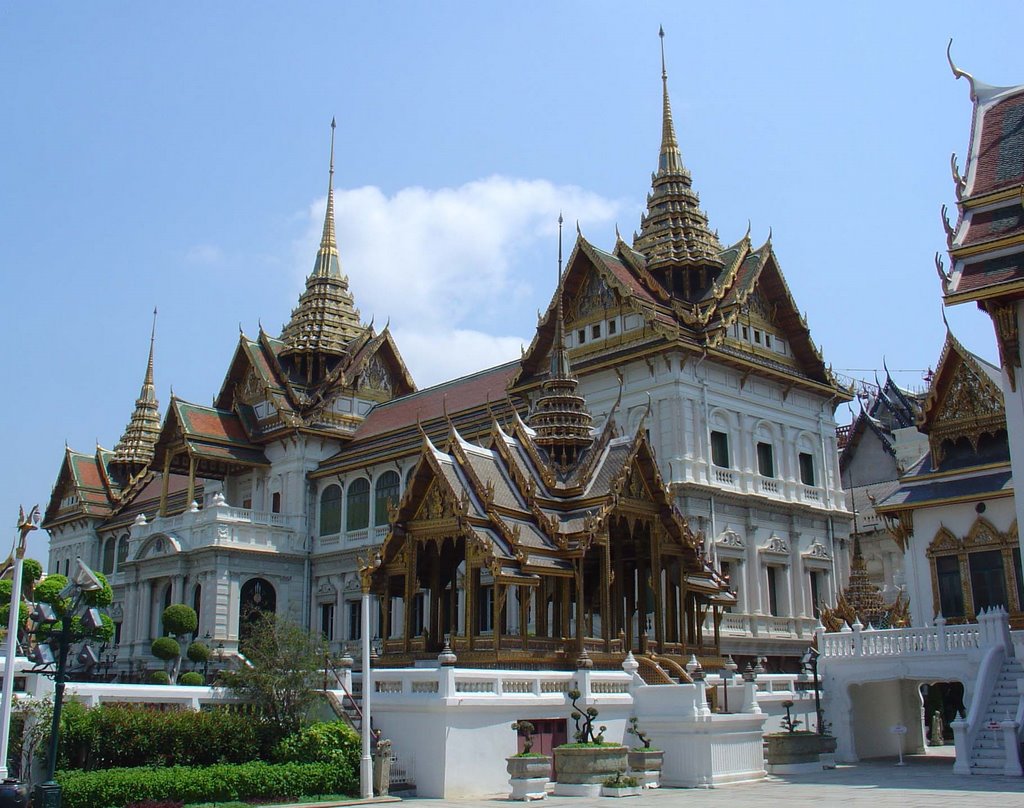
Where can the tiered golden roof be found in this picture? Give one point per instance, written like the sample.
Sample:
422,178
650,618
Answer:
326,319
674,232
862,600
560,417
135,449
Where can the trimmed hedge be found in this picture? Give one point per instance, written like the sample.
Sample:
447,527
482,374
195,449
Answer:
116,735
326,742
113,788
191,679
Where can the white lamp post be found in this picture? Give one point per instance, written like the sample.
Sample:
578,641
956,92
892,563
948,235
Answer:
25,526
366,763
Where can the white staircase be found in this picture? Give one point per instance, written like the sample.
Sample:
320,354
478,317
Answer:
988,755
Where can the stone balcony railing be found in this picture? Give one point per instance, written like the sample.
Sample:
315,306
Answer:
737,624
778,488
220,524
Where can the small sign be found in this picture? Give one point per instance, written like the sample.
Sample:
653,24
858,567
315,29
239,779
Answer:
993,724
898,729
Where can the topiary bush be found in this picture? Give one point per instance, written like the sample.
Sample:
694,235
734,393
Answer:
166,648
198,652
159,678
191,679
248,781
180,619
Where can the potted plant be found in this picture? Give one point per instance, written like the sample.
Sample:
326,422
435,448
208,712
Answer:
620,785
581,767
794,751
644,762
528,771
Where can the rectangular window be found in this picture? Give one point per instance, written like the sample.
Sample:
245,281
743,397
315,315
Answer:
815,592
595,331
611,327
806,468
988,584
355,619
757,336
418,612
486,608
746,333
247,504
720,449
765,460
275,502
767,340
773,591
581,336
327,620
951,596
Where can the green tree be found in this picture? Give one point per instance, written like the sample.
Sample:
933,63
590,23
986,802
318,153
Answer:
179,622
282,673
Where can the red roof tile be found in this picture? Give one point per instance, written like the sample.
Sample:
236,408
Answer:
461,394
992,224
1001,152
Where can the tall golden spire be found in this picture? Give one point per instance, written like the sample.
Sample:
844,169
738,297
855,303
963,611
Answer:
328,263
674,234
326,319
670,159
560,417
135,449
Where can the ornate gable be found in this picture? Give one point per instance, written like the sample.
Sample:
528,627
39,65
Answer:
964,401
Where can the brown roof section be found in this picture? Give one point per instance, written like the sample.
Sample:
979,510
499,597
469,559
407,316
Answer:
1000,155
455,396
992,272
988,225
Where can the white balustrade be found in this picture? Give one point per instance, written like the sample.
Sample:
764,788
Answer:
725,477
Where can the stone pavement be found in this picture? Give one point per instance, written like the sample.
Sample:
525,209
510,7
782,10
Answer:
924,782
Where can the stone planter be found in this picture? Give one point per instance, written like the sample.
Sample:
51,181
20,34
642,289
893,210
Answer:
579,771
528,776
621,791
645,765
795,752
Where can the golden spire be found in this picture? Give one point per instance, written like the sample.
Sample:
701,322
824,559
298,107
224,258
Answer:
560,417
135,449
328,263
326,319
670,160
674,232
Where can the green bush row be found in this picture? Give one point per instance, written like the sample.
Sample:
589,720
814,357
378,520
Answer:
123,735
114,788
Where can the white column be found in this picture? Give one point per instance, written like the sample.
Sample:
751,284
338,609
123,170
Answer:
366,762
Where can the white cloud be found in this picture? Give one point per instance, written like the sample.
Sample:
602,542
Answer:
459,271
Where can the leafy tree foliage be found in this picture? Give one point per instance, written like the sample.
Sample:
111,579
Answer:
166,648
283,671
198,652
180,620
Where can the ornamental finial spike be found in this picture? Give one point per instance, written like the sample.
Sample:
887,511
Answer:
957,72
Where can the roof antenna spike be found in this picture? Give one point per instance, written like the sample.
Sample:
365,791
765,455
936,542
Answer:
746,236
661,36
957,72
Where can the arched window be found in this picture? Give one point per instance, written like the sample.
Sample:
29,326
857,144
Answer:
330,511
122,550
108,556
358,516
386,489
257,596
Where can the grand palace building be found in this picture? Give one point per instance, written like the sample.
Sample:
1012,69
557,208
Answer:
657,473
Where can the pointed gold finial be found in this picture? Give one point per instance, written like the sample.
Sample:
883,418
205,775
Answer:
670,159
328,263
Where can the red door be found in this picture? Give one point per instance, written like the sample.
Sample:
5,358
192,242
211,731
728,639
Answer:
547,734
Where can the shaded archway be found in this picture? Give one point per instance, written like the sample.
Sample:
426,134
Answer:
257,597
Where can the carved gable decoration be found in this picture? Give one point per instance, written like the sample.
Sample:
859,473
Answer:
969,405
635,487
817,551
776,545
730,538
433,505
761,307
251,390
595,297
967,398
944,542
377,376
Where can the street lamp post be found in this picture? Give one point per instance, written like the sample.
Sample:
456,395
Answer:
809,661
48,794
26,524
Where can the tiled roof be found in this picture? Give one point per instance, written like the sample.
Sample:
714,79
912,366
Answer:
460,394
937,490
1000,130
991,272
210,423
986,225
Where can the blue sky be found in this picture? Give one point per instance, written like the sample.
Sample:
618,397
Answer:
177,157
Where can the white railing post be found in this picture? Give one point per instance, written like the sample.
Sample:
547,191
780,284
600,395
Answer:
962,765
858,640
940,630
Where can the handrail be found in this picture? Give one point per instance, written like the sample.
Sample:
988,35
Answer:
671,666
652,673
328,664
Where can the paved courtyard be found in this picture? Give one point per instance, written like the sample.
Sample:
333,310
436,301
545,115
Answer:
925,781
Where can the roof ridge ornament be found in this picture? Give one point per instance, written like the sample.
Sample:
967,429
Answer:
134,451
958,73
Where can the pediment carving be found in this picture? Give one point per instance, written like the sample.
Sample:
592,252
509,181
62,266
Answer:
777,545
595,296
730,538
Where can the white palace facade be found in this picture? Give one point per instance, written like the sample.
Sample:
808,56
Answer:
268,498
